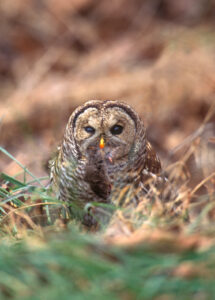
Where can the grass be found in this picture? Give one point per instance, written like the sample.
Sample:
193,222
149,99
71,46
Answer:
74,265
160,259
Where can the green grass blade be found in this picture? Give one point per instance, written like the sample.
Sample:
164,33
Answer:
21,165
12,180
3,192
40,178
13,197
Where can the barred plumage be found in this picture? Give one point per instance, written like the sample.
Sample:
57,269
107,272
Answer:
104,149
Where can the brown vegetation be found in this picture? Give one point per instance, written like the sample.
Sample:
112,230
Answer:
156,55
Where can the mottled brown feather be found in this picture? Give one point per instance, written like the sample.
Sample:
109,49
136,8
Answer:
152,161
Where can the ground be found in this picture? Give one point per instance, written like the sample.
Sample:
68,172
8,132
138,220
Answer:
158,56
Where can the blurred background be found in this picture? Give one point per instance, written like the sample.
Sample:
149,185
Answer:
157,55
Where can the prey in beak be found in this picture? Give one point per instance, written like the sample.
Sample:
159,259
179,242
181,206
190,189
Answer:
101,146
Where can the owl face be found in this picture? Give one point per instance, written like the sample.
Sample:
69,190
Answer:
106,127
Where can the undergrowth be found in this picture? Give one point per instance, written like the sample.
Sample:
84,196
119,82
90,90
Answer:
44,257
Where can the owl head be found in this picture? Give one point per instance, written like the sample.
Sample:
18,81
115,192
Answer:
110,129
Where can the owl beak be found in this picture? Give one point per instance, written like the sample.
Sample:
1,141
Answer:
102,143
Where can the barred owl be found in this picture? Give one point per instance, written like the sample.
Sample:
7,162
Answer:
104,150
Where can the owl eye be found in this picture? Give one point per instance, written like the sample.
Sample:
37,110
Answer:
89,129
116,129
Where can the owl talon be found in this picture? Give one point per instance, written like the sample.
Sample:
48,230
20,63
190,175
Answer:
89,221
88,207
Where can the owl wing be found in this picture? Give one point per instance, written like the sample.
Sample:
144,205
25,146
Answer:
152,171
152,161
